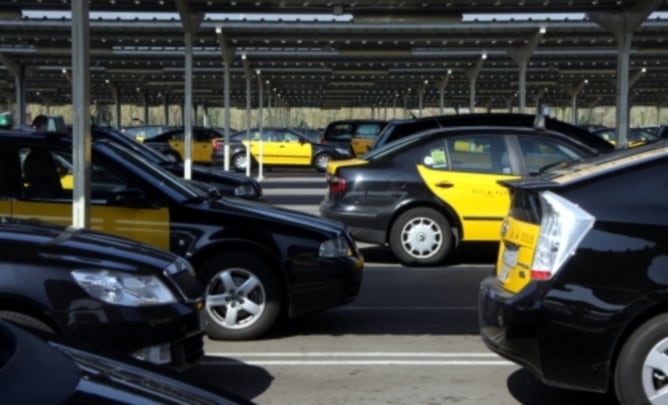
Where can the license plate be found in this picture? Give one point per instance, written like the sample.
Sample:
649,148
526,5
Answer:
508,261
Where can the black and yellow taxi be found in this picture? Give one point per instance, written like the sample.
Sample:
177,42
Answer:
359,133
579,293
257,262
277,147
425,194
175,140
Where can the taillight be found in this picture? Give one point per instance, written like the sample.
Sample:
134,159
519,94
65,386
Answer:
336,184
563,225
215,144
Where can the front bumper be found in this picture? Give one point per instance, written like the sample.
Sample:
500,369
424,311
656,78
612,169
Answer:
175,330
321,284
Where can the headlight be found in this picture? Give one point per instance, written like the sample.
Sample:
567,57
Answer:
124,289
244,190
338,247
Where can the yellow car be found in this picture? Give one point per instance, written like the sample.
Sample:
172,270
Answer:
277,147
425,194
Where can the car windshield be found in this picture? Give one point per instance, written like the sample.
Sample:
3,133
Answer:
140,148
175,186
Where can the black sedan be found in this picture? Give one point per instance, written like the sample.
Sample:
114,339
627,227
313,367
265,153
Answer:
39,370
400,128
227,183
277,147
425,194
256,261
101,290
579,292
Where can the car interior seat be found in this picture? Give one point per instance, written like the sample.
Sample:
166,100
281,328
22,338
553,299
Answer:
41,176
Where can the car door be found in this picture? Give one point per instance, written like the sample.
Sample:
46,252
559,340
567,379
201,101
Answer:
294,149
202,146
464,171
263,146
177,141
365,135
115,208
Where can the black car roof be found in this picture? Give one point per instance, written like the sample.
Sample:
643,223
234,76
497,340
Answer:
495,119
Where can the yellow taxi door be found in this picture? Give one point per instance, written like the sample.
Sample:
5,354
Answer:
178,145
145,225
467,181
44,197
6,208
202,145
361,145
294,150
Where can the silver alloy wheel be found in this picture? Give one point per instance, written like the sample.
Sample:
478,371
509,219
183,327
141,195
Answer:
655,373
321,161
240,162
421,237
235,298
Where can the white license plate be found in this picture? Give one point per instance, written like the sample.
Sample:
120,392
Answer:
508,260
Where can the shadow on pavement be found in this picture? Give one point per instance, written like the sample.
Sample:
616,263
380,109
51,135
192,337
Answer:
470,253
224,376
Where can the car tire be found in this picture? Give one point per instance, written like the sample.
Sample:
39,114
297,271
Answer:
421,237
172,156
638,374
243,297
25,320
321,160
239,162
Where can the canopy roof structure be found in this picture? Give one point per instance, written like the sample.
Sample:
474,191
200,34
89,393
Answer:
330,54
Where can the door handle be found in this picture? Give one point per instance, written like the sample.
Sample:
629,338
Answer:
444,184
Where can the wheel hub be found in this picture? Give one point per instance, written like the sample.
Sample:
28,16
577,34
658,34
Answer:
422,237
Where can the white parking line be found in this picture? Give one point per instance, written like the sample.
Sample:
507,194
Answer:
411,308
355,359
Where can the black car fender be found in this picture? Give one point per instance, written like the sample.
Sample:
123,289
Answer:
431,202
214,248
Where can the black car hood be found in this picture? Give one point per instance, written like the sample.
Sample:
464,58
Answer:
35,370
285,216
82,246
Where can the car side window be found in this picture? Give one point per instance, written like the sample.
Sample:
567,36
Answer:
178,136
44,175
289,137
540,151
104,184
367,131
479,153
435,157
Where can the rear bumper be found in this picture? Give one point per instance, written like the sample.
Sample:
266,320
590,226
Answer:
507,328
364,226
561,347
